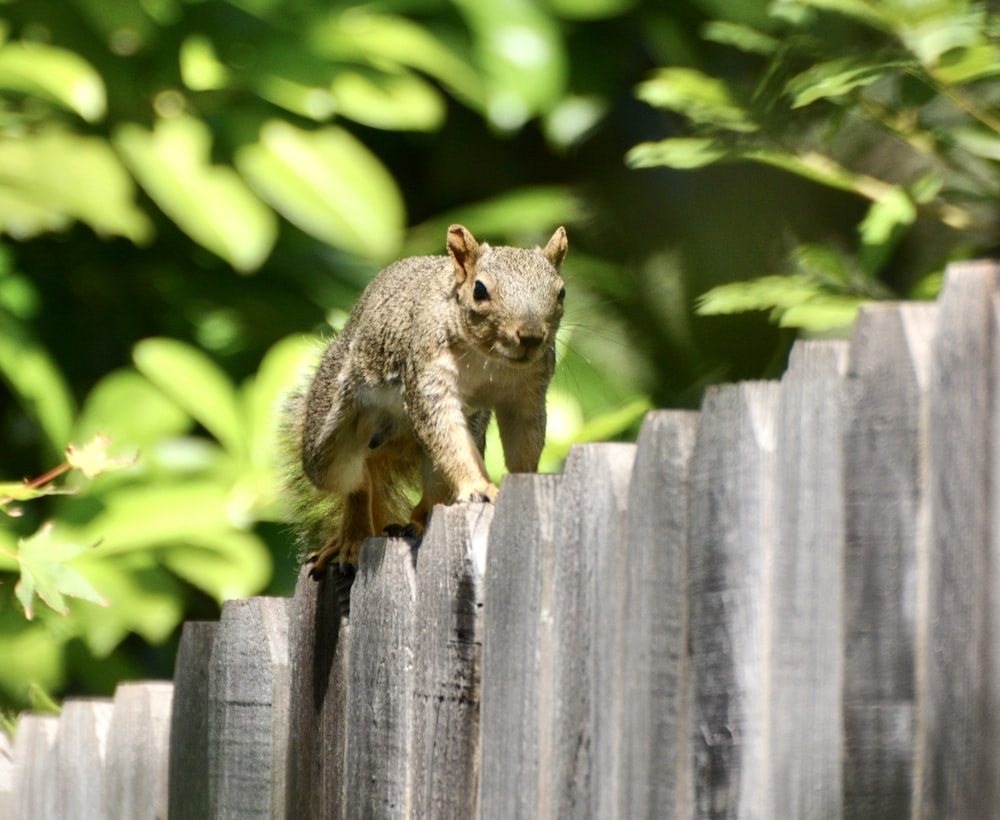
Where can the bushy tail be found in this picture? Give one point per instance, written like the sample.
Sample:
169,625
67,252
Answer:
314,516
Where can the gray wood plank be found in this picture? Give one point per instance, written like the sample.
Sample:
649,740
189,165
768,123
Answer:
444,746
138,758
34,749
960,757
78,773
654,762
805,644
319,636
733,528
886,518
515,733
587,601
6,776
380,681
189,722
248,709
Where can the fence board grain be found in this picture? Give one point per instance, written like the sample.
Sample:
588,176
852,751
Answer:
587,599
319,640
805,604
886,519
653,766
962,708
34,749
189,722
80,757
515,737
731,562
248,710
444,745
138,762
380,681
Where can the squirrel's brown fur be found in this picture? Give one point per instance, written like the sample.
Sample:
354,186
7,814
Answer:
404,394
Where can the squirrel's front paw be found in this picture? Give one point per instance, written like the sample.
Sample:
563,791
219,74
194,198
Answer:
335,552
483,492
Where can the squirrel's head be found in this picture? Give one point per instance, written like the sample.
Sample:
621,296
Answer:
511,298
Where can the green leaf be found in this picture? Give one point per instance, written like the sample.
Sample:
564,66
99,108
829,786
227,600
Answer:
683,153
21,491
45,573
196,384
824,313
50,178
520,49
764,293
36,381
403,101
965,65
225,565
862,10
702,99
390,43
131,411
328,184
138,518
53,74
741,36
210,203
836,78
883,226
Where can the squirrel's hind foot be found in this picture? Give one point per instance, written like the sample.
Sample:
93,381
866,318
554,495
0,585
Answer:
334,552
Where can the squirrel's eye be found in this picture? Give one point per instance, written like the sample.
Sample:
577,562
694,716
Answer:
562,293
480,293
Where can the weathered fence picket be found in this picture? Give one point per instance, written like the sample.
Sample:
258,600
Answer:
785,605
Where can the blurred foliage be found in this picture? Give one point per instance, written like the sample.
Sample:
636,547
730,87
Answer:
913,77
194,192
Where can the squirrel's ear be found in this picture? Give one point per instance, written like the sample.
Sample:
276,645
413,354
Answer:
464,250
555,251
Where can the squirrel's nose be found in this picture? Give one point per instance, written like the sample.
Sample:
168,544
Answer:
530,339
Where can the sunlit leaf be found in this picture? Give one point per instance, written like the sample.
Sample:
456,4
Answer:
22,491
328,184
54,74
883,226
208,202
741,36
967,65
200,67
703,99
51,178
226,565
131,411
196,384
36,381
824,313
836,78
764,293
521,51
391,101
683,153
385,41
45,573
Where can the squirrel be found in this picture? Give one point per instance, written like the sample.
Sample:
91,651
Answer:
404,394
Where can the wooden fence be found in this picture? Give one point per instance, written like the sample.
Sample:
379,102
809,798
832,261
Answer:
784,606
